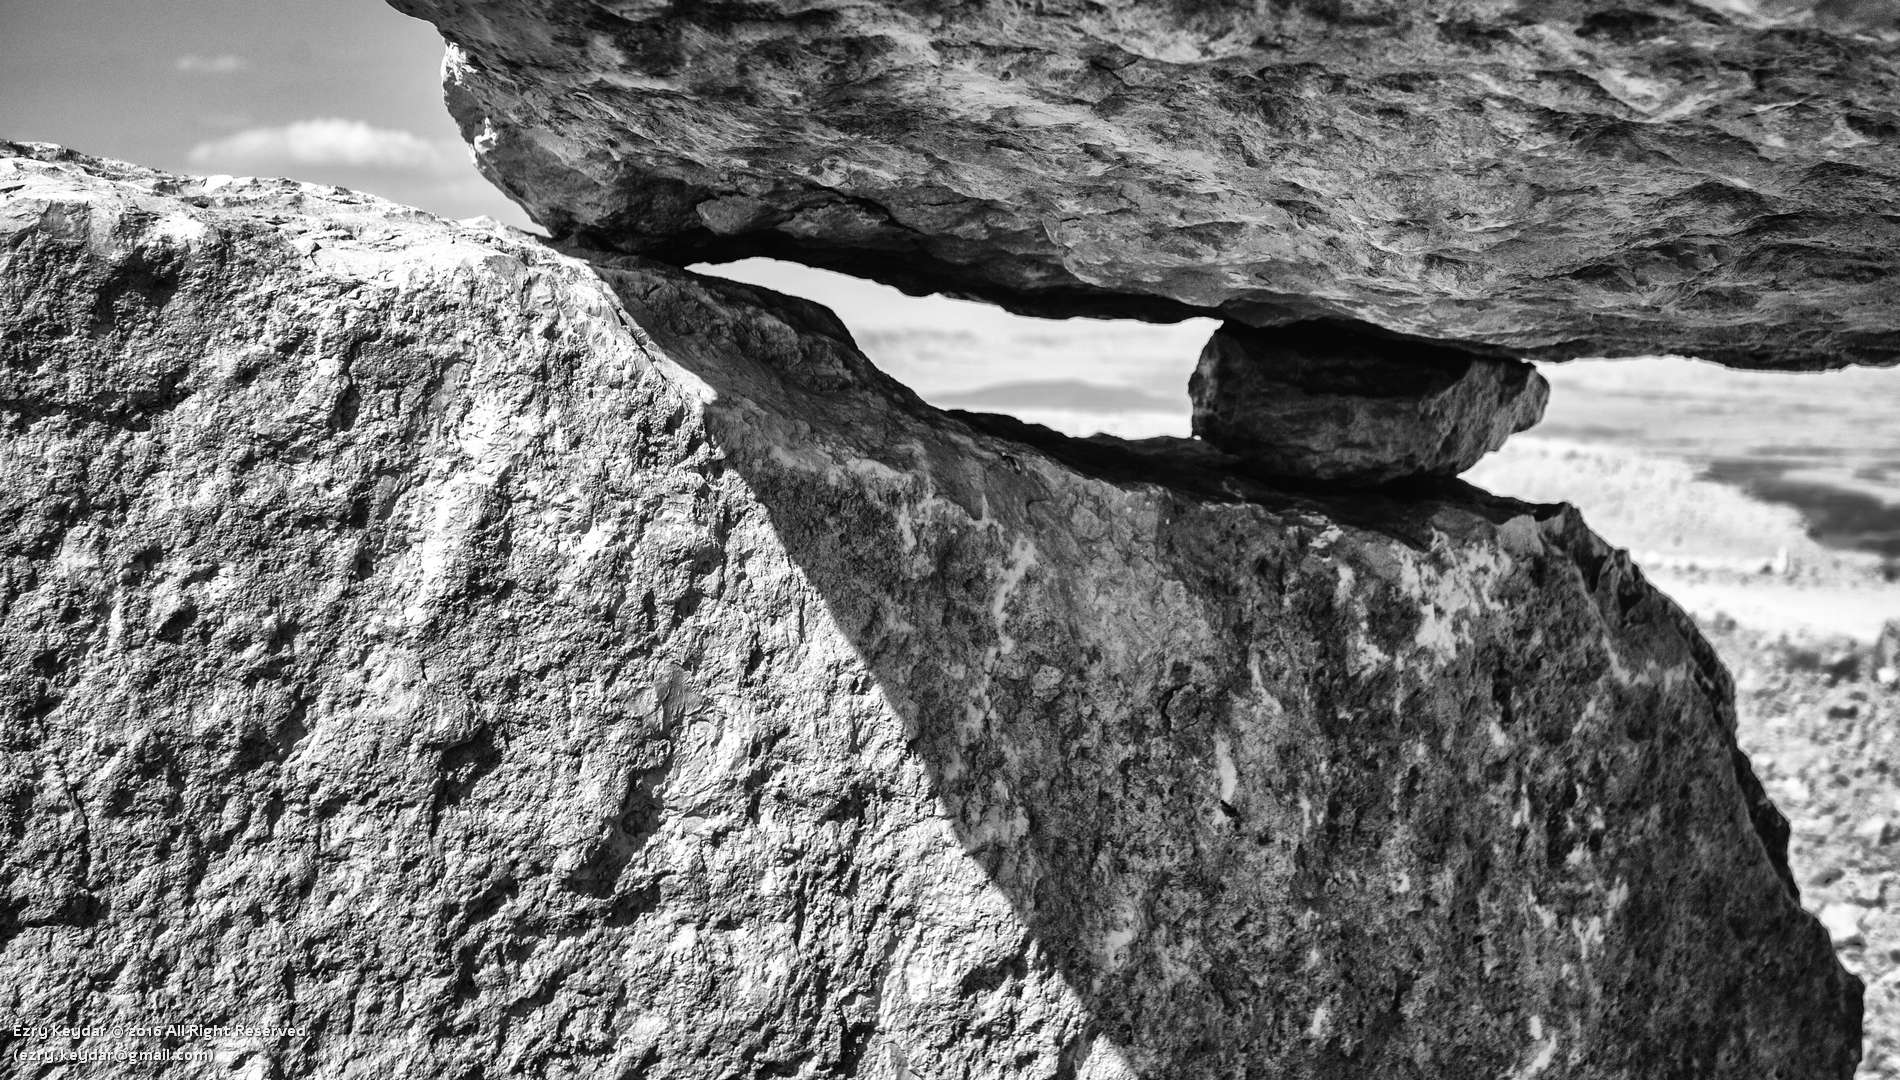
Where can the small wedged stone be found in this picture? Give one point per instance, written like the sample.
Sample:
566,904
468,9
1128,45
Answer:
1323,402
1542,180
440,656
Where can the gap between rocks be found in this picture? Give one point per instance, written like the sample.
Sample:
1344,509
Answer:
1328,402
1078,376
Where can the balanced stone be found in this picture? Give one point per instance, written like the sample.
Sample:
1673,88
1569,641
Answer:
1321,401
1546,180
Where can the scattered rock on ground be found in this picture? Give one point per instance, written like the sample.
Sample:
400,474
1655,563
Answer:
1828,751
1843,923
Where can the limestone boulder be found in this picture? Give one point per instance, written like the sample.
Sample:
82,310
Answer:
425,653
1534,179
1320,402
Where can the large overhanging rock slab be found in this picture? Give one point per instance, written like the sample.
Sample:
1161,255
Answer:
473,661
1536,179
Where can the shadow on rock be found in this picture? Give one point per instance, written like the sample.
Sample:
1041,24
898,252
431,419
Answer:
1408,783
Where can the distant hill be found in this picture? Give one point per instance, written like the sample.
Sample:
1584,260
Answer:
1073,395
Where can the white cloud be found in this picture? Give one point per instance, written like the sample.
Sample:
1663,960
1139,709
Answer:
222,64
325,141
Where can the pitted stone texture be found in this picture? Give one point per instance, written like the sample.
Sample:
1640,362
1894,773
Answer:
487,664
1320,401
1543,179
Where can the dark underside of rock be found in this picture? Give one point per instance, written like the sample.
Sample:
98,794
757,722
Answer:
1529,179
481,660
1323,402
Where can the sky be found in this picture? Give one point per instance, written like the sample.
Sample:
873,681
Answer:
341,92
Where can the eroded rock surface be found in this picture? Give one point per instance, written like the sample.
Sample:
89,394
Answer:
1538,179
485,663
1318,401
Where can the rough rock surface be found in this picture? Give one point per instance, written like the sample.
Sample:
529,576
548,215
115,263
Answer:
1317,401
1547,179
482,663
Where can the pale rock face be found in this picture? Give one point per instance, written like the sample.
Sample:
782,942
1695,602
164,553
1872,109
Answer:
491,663
1543,179
1319,402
